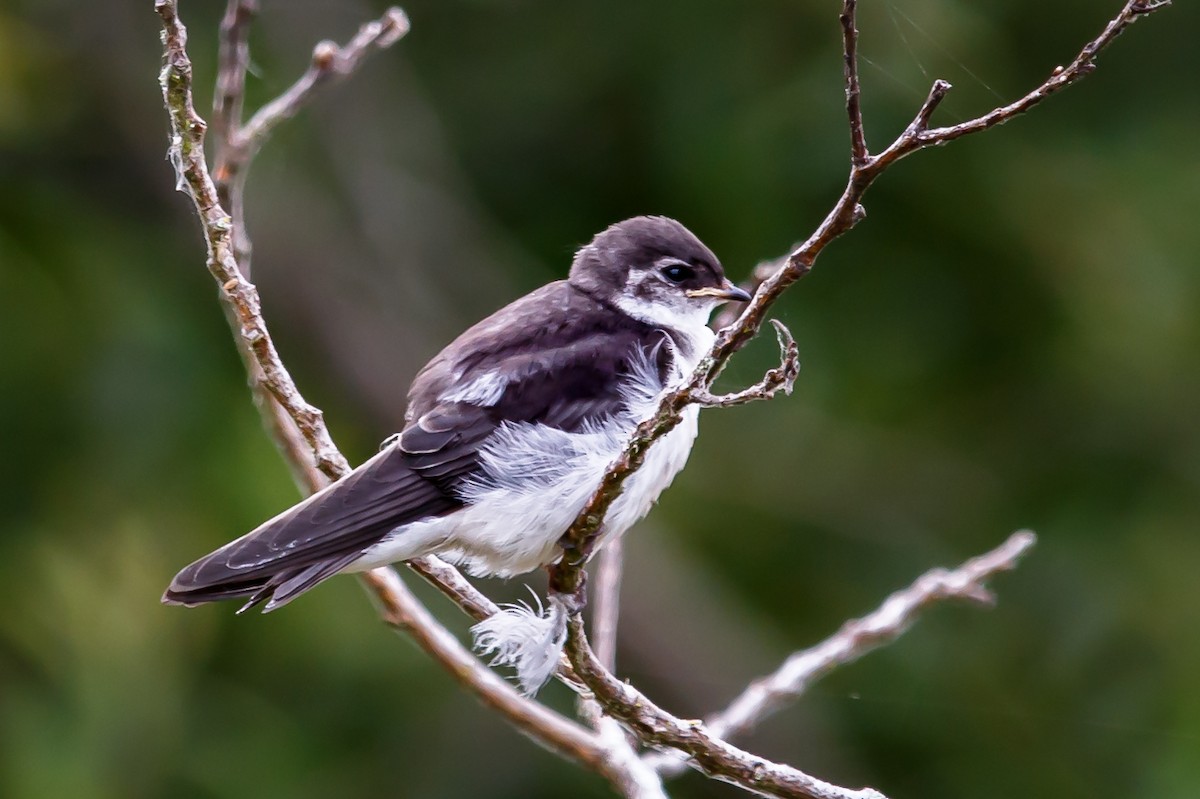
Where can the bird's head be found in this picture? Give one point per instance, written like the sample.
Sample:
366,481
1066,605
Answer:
655,270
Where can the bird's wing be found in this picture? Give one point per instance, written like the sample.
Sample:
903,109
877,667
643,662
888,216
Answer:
565,381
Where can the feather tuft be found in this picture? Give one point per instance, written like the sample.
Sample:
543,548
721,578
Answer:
529,638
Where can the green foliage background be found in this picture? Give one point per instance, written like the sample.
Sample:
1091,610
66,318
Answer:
1012,338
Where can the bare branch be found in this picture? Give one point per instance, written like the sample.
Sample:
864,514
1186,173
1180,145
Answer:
918,135
233,60
236,144
329,61
708,753
855,639
858,137
781,378
606,601
1060,77
229,175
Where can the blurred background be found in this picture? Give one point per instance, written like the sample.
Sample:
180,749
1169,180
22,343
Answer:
1011,338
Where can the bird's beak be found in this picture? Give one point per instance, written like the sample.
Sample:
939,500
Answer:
727,291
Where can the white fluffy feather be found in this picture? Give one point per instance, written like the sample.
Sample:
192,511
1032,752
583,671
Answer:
528,638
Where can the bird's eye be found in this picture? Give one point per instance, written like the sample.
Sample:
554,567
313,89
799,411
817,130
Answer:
677,272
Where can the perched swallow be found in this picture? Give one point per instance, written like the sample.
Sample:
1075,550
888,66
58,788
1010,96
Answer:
508,430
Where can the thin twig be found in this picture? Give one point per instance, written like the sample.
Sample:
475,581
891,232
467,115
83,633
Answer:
781,378
856,638
1060,78
606,601
858,138
229,174
329,61
918,136
233,61
236,143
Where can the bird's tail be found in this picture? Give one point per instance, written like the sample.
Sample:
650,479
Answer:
276,590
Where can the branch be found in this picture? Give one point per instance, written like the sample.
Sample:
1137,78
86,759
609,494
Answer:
606,595
233,60
329,61
229,174
606,601
709,754
236,144
1060,78
580,538
918,136
313,455
858,139
856,638
781,378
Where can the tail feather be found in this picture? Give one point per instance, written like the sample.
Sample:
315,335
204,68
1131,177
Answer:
276,590
300,581
191,597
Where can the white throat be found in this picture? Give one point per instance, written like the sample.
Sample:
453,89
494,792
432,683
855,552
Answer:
687,317
689,322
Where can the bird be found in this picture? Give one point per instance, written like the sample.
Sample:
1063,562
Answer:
507,431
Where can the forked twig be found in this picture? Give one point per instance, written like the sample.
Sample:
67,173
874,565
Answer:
781,378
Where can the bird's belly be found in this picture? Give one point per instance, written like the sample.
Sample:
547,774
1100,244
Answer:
518,512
